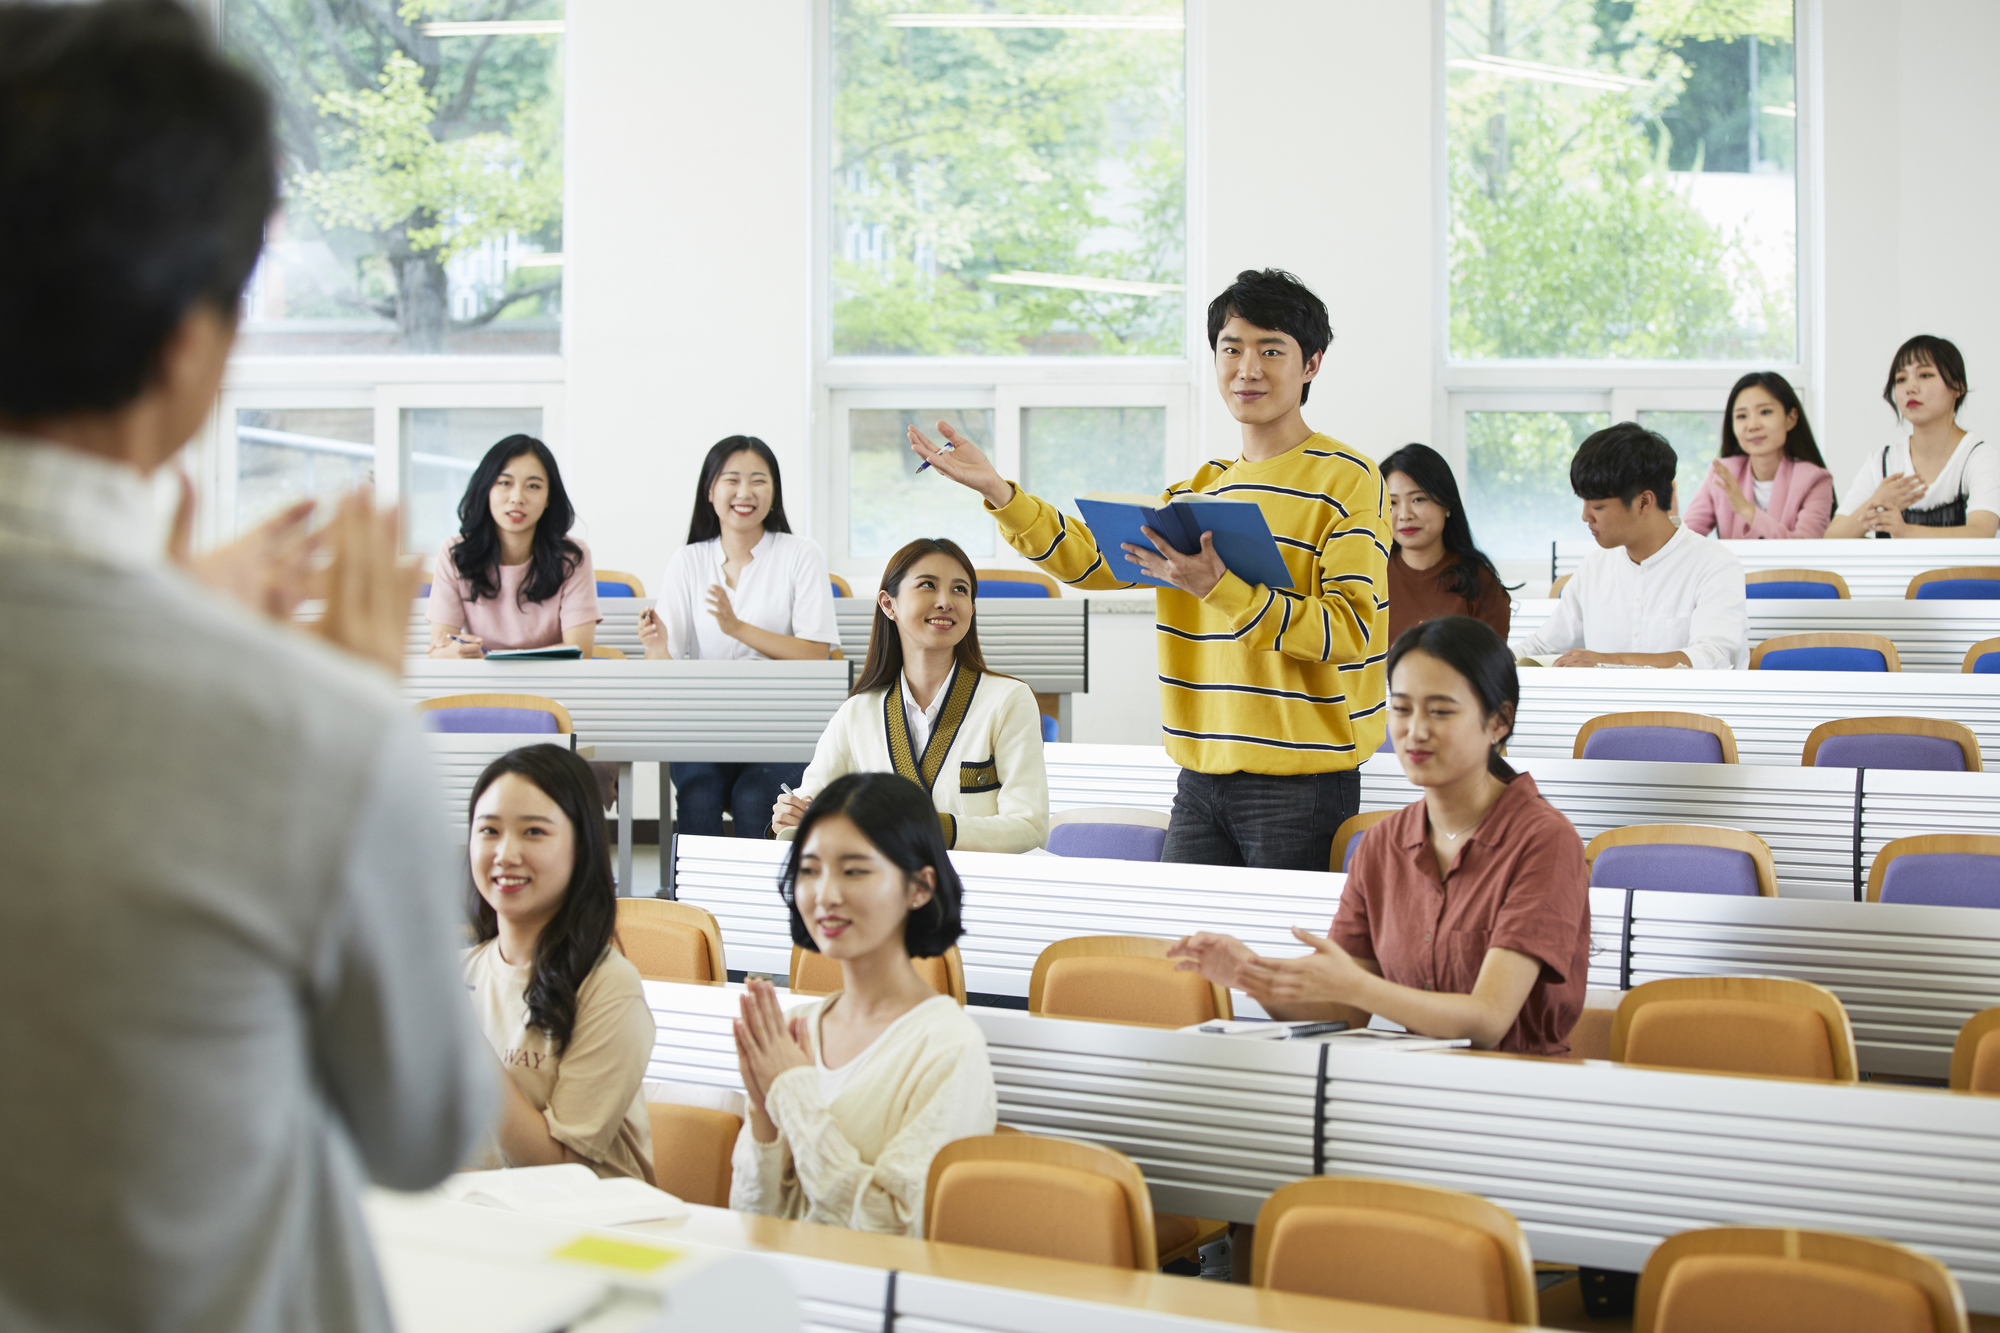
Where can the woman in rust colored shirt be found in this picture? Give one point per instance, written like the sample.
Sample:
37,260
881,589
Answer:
1435,569
1466,914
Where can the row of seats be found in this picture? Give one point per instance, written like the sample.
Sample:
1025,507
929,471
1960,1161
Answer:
1977,583
1925,743
992,583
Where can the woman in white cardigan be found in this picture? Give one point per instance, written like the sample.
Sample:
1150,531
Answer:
926,707
851,1097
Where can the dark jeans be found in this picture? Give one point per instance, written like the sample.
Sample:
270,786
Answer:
1256,819
748,791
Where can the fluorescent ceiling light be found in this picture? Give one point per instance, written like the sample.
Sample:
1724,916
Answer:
1096,22
1509,68
1780,111
539,261
1079,283
495,28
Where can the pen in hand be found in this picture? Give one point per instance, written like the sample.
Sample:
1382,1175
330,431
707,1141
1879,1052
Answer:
946,448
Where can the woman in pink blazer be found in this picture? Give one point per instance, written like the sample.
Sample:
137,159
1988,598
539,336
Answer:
1770,480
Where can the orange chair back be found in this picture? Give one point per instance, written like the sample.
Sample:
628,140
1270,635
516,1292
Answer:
670,941
1057,1198
1975,1057
1390,1243
1121,979
1736,1025
691,1151
1350,828
813,973
1780,1280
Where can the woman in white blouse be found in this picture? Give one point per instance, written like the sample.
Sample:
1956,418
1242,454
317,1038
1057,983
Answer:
926,707
1940,481
851,1097
744,587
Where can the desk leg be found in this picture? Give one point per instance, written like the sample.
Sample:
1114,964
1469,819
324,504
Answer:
667,828
1065,712
625,830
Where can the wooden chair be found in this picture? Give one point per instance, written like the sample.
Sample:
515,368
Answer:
1016,583
1590,1039
1932,744
1714,871
608,653
1556,588
813,973
1975,1056
1974,582
1817,577
691,1151
488,713
1652,738
1121,979
627,581
1982,658
1736,1025
670,941
1829,650
1781,1280
1959,882
1057,1198
1114,832
1348,836
841,587
1385,1242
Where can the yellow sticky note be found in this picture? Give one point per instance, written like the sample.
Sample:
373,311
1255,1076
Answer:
606,1253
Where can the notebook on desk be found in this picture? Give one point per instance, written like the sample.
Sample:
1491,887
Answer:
1242,538
559,653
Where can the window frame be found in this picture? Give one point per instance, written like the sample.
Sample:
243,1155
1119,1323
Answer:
1629,387
1004,384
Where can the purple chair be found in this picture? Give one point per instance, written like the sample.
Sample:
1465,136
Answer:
519,714
1938,870
1670,738
1682,858
1928,744
1108,833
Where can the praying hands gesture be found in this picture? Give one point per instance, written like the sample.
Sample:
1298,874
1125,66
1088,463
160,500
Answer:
767,1044
1732,491
1327,974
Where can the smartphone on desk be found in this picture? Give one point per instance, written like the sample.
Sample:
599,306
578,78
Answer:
1268,1029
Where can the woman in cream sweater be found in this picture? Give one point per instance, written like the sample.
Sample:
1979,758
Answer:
926,707
851,1097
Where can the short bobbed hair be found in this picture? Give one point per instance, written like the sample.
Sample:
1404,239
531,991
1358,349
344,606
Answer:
1472,649
1941,353
1622,462
897,816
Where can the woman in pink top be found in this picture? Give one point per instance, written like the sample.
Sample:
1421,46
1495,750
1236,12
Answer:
513,577
1770,480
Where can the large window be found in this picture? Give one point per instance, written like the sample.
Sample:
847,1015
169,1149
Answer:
1623,236
422,175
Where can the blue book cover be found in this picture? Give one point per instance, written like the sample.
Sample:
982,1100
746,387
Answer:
1242,537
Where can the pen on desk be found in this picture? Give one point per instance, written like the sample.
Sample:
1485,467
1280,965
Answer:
946,448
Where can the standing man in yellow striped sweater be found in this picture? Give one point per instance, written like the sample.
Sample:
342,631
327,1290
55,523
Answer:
1270,697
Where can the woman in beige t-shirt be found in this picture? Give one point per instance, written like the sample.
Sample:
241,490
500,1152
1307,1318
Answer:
563,1009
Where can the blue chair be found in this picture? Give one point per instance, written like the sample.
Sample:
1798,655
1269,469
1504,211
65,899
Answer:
1938,870
840,588
1050,728
1982,658
1348,836
523,714
1794,583
1015,583
612,583
1682,858
1826,651
1923,743
1108,832
1653,737
1966,583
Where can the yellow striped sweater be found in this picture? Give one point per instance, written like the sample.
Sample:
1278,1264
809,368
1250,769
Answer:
1256,679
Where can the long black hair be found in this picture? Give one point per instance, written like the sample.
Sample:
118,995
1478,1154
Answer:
1799,442
706,524
885,644
552,558
584,925
897,816
1427,467
1474,651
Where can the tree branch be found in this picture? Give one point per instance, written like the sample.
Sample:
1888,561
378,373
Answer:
329,31
523,294
463,98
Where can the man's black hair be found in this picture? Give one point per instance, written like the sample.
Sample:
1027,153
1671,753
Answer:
1274,299
1622,461
136,171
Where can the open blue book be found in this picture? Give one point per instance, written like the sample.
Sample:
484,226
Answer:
1242,537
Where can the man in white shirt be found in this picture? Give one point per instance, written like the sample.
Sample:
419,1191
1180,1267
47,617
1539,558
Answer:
1654,594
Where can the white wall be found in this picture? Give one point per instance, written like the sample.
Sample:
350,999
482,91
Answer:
1911,113
688,221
